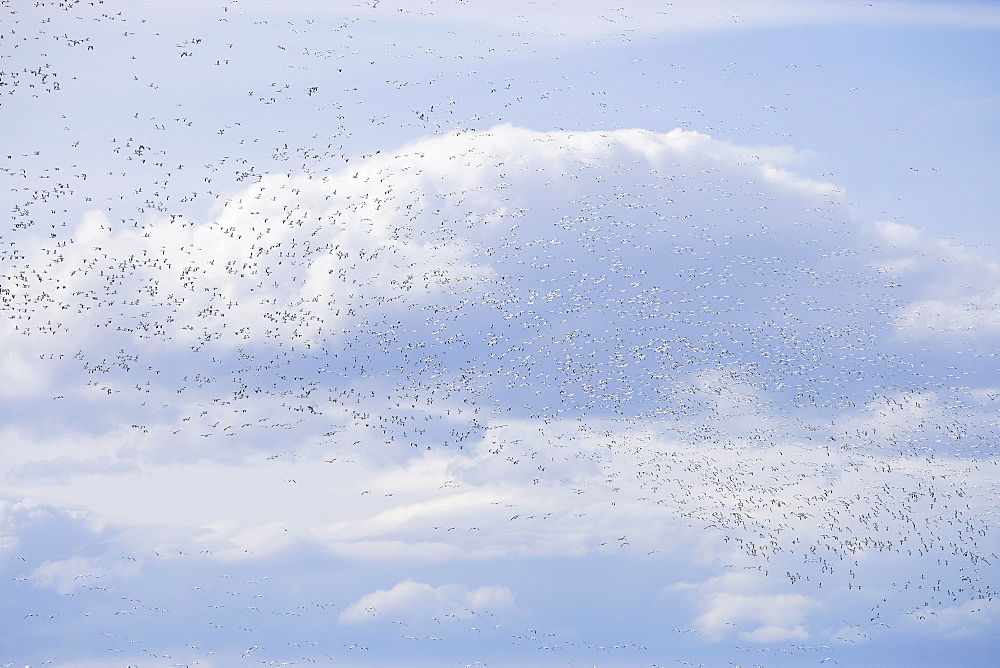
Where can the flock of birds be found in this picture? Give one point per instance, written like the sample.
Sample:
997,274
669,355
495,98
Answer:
624,338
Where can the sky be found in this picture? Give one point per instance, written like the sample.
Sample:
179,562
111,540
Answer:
437,332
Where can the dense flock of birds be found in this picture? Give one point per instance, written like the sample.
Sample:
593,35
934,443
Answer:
585,341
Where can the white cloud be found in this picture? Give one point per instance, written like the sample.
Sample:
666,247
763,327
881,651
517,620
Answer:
966,620
21,375
423,601
509,345
506,272
949,290
576,366
731,605
67,575
766,634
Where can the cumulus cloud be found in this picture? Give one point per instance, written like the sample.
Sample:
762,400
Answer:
652,348
314,351
730,606
952,287
957,621
420,600
67,575
506,271
454,292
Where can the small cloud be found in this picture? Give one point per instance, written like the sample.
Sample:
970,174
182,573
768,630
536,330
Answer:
66,575
730,604
949,289
420,600
775,634
969,619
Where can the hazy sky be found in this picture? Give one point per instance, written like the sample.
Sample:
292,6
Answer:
447,333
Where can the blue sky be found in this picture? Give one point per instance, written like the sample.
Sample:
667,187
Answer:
437,333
